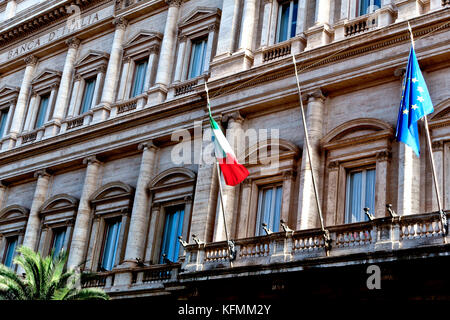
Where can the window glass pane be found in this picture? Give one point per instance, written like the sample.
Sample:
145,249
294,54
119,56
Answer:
112,240
139,78
88,95
198,56
59,235
284,22
294,19
173,229
42,111
11,244
370,192
354,197
269,209
3,119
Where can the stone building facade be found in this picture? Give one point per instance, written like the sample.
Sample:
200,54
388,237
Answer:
92,91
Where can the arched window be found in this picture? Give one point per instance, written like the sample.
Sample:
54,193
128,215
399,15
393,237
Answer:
358,154
111,206
172,193
266,195
13,221
57,218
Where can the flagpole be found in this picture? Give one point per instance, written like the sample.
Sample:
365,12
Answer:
229,243
442,215
326,234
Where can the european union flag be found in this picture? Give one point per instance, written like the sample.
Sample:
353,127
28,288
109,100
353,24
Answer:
416,103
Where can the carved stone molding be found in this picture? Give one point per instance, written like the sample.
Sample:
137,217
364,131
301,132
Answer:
42,173
101,69
187,199
174,3
437,145
289,174
154,49
316,95
91,160
120,23
333,165
73,43
247,182
3,185
78,77
384,156
12,102
31,60
399,72
149,145
213,27
234,116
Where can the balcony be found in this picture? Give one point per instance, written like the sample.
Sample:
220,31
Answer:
280,50
415,235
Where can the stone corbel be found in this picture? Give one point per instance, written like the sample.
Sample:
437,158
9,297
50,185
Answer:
120,23
42,173
91,160
149,145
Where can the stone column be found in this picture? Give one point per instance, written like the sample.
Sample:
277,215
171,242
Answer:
99,81
268,23
22,100
228,28
10,10
3,189
101,112
32,110
33,224
244,210
323,11
210,46
234,135
139,217
51,129
66,78
126,79
332,193
75,100
166,58
81,230
408,181
288,188
151,66
321,33
438,154
307,210
185,69
248,24
155,231
381,183
436,5
180,58
205,197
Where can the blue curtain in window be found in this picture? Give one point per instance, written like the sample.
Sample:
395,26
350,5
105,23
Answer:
139,78
288,20
112,241
58,242
368,6
354,189
294,18
3,119
88,95
10,251
173,228
284,22
42,111
198,58
269,209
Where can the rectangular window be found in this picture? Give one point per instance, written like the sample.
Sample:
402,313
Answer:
368,6
3,120
287,20
173,228
11,245
198,55
360,194
43,106
111,243
269,209
59,236
88,95
139,77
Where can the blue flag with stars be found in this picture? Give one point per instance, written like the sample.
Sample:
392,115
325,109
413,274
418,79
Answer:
416,103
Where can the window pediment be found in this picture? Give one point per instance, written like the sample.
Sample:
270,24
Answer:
46,78
200,14
143,41
8,93
91,60
59,203
114,196
13,213
361,136
174,183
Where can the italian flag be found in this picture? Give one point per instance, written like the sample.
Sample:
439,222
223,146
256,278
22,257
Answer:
233,172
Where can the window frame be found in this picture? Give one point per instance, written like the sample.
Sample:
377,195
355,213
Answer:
7,246
107,221
136,62
290,21
52,243
371,4
261,188
46,114
92,98
364,170
165,215
204,41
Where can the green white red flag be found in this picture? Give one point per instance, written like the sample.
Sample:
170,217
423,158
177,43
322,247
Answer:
233,172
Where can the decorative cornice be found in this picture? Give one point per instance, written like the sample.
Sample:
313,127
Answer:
154,49
101,69
333,165
73,43
316,95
